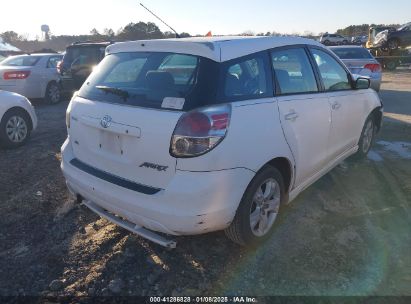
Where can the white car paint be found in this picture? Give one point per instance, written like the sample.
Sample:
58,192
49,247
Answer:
9,100
313,132
41,74
215,48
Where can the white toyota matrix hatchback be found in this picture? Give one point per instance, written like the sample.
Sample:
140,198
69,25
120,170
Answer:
188,136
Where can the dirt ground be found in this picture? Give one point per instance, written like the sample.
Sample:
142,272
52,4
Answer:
348,234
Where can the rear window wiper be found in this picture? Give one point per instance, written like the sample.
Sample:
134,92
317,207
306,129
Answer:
116,91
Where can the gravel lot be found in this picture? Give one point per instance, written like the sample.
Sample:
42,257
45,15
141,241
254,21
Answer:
348,234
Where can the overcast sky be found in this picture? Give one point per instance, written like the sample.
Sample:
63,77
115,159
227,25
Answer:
198,17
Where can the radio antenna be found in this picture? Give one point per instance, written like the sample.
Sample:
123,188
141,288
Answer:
177,35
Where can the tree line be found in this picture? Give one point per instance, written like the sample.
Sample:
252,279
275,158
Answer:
132,31
138,31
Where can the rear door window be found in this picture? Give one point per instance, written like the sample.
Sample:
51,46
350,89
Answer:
246,78
293,71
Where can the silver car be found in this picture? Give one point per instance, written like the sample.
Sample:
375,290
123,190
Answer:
333,39
360,62
33,76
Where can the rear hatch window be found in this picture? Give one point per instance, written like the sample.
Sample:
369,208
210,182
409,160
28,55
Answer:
83,55
153,80
352,53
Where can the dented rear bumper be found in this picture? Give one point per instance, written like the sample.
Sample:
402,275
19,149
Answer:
192,203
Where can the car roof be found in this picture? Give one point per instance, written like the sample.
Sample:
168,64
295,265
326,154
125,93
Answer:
219,49
347,47
89,43
38,55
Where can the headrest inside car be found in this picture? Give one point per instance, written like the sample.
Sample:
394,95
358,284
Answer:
159,80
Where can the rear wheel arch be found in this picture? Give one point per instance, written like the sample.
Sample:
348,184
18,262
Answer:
284,166
376,115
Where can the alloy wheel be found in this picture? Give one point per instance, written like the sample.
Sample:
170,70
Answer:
54,93
368,136
265,206
16,129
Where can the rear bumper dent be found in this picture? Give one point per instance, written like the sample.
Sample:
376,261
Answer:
192,203
130,226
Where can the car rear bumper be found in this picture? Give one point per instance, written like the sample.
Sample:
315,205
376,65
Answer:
192,203
15,89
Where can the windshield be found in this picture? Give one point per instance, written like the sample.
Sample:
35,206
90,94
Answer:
155,80
352,53
21,61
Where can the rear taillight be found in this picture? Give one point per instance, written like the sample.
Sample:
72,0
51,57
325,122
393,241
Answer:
16,75
373,67
199,131
59,66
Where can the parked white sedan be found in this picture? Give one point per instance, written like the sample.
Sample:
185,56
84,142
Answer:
17,119
33,76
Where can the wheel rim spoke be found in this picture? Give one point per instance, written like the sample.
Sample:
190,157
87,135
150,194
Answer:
255,217
273,205
258,197
269,190
262,224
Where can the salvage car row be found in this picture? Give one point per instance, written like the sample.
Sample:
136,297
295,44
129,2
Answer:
40,76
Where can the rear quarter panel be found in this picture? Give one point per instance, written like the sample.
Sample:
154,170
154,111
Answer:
255,137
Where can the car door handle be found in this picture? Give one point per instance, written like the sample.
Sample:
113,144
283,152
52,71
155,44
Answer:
336,106
291,116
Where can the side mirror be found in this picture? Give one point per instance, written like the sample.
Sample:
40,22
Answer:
362,83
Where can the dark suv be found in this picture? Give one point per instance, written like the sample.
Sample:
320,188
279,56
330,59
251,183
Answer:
78,62
400,38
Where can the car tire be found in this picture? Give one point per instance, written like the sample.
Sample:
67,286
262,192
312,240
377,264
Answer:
367,138
345,42
327,42
393,44
15,128
53,93
391,65
260,205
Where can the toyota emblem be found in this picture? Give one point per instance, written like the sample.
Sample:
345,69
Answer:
105,122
